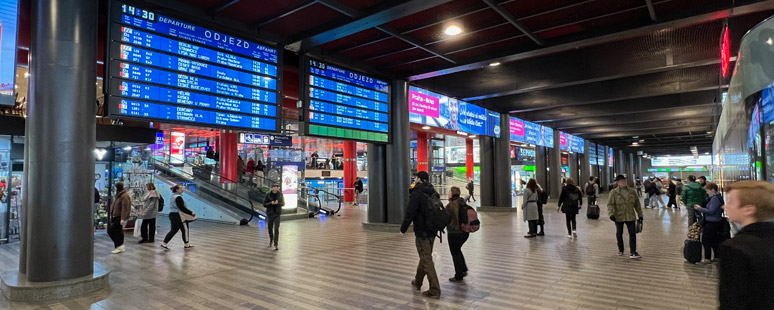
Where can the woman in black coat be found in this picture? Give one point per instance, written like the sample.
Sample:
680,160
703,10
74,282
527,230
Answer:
672,193
569,203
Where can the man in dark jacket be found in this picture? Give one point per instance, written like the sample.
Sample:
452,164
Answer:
744,263
415,213
274,201
693,194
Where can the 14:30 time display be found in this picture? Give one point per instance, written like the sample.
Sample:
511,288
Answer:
144,14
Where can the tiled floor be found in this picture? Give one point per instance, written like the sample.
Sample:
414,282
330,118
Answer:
331,263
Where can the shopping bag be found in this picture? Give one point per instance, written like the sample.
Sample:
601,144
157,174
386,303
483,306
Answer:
137,224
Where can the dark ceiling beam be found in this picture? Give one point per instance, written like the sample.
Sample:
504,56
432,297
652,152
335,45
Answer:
698,19
221,6
651,10
636,119
379,18
661,138
645,132
624,114
284,13
663,68
513,21
343,9
649,127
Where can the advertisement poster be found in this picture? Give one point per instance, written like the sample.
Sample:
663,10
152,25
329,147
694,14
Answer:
290,186
494,124
433,109
177,148
563,143
8,16
528,132
610,157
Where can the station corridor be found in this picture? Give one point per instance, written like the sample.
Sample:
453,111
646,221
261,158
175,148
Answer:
331,263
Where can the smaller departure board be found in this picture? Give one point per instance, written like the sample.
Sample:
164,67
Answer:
344,104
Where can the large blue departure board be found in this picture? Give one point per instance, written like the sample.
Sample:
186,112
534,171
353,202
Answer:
345,104
164,69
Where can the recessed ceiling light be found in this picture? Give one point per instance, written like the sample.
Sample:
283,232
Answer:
425,127
706,153
642,140
494,64
709,132
635,137
473,136
635,143
26,74
452,30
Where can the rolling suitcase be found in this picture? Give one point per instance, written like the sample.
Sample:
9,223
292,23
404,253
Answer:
692,251
646,203
592,212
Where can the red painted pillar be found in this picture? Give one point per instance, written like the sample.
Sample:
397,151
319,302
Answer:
350,170
422,164
469,164
228,157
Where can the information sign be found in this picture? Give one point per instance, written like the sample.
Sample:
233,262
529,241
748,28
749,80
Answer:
345,104
600,155
261,139
592,153
161,68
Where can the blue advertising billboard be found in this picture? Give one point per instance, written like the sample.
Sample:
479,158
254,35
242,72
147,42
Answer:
8,20
436,110
528,132
570,143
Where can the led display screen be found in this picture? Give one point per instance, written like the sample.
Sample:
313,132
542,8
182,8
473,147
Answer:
345,104
8,20
169,70
610,157
592,153
528,132
570,143
436,110
601,155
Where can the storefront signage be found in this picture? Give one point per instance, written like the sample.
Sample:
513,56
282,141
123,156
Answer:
346,104
160,68
260,139
433,109
8,21
528,132
680,161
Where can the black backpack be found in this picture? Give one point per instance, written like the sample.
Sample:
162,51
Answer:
590,189
573,197
543,197
161,203
436,217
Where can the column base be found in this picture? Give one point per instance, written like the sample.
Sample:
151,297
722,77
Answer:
381,227
496,209
15,287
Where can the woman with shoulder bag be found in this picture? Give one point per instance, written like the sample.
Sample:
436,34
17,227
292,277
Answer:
179,217
149,213
713,222
457,236
569,203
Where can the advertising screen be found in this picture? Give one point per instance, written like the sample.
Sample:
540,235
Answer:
601,155
528,132
433,109
564,142
8,20
177,148
570,143
345,104
162,68
610,157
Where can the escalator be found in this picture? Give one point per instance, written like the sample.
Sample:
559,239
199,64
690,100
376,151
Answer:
237,200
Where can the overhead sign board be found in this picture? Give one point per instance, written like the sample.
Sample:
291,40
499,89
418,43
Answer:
341,103
528,132
680,161
164,69
600,155
570,143
261,139
592,153
436,110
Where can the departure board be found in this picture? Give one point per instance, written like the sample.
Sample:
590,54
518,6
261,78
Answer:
164,69
345,104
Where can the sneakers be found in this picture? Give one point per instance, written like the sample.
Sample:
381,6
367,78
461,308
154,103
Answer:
143,241
165,247
276,248
541,234
188,247
634,255
706,262
455,280
569,236
620,253
574,234
119,249
429,294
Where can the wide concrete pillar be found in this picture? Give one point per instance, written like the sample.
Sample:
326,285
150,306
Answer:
350,170
377,181
228,157
555,169
605,171
630,169
57,248
502,169
620,163
585,165
541,166
487,174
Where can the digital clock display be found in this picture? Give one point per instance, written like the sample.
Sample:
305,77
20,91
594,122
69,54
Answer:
346,104
165,69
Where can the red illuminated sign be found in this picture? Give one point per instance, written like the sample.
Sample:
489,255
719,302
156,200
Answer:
725,53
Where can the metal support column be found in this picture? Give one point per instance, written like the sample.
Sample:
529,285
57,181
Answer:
377,201
555,169
502,169
398,157
487,175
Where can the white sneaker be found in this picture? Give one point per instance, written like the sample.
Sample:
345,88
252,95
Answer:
119,249
569,236
574,234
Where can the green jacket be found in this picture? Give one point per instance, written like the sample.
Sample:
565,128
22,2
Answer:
624,204
694,194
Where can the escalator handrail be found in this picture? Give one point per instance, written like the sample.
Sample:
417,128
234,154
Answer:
169,167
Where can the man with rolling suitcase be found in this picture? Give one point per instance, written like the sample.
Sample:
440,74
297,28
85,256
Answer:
592,192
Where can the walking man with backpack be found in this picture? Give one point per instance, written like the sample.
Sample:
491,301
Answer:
592,191
470,187
422,210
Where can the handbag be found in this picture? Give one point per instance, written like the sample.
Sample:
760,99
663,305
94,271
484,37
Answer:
185,217
639,226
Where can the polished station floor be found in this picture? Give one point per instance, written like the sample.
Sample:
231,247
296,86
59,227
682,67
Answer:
331,263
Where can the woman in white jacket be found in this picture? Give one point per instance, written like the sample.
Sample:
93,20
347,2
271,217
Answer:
150,211
530,207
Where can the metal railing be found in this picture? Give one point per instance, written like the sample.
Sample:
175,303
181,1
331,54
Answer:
323,198
212,187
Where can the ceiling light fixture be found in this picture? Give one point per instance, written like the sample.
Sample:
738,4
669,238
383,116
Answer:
635,143
26,74
635,137
425,127
494,64
452,30
709,132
